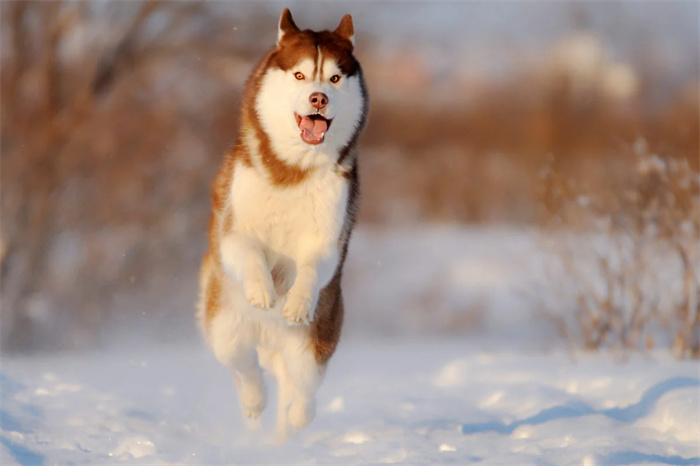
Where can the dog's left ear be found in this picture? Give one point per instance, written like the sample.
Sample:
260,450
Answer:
346,30
286,25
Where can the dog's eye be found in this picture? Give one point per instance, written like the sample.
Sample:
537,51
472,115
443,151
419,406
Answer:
299,75
335,78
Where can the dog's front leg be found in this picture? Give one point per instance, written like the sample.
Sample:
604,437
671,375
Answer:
313,273
244,260
302,296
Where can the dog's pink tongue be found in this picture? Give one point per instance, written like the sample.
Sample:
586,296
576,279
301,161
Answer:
313,131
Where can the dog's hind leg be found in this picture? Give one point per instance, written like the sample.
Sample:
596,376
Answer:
251,392
285,394
285,397
303,377
272,361
236,350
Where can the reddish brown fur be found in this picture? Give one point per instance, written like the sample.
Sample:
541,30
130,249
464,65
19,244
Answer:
281,173
213,296
227,225
298,45
221,217
328,321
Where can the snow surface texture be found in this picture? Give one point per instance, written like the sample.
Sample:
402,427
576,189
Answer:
386,402
446,281
488,388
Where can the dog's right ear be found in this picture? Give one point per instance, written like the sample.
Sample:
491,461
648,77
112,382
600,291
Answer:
286,25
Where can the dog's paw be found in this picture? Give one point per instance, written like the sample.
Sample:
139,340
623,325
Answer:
260,291
253,400
301,413
253,408
297,309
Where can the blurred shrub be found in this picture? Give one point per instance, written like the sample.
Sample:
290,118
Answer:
623,262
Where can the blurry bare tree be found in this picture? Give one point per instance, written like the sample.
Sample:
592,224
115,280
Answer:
108,123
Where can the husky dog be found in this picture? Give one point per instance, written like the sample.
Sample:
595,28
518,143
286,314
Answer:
284,203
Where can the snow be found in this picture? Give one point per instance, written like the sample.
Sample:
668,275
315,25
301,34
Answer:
442,361
445,280
385,401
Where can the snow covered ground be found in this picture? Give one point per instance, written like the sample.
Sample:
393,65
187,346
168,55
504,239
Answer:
455,281
443,361
382,402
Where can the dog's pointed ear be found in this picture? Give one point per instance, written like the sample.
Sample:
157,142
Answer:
346,30
286,25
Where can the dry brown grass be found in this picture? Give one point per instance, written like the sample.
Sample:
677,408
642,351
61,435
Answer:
480,162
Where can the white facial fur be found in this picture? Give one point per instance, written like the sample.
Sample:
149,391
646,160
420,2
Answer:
282,95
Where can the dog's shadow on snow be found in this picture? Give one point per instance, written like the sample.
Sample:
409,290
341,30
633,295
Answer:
577,409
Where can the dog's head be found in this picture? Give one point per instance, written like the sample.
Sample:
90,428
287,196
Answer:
312,92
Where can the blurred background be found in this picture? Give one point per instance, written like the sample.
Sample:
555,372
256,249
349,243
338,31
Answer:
115,116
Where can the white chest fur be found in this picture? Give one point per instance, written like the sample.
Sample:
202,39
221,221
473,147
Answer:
298,223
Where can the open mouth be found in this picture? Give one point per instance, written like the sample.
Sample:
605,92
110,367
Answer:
313,127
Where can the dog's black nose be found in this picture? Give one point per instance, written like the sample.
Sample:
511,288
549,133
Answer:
318,100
